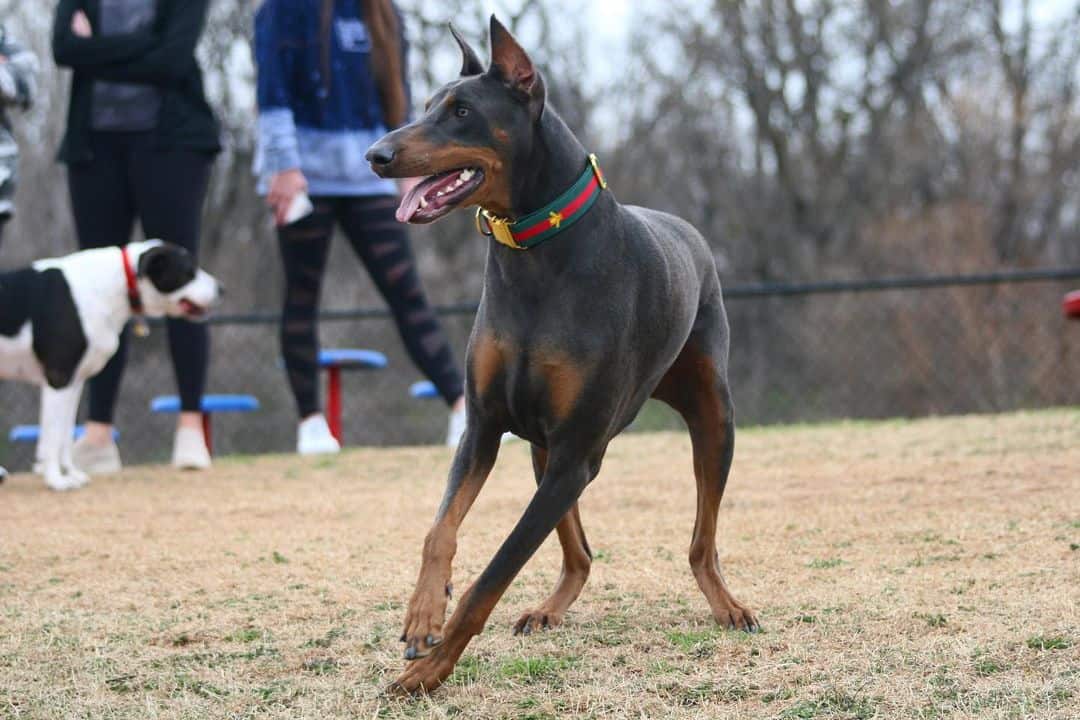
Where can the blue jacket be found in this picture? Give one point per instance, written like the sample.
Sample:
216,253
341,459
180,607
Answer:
321,126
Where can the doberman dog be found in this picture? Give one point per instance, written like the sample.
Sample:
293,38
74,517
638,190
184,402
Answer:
589,309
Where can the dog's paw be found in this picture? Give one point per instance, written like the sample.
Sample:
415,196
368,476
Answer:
424,622
76,476
738,617
424,675
539,619
62,483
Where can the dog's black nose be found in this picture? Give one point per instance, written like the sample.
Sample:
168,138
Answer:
380,154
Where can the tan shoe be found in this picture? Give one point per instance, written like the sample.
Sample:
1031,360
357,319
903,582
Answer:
96,459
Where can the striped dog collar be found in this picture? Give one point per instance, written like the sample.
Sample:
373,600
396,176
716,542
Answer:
547,222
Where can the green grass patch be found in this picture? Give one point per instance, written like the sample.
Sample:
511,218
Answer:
533,669
834,705
824,563
1043,642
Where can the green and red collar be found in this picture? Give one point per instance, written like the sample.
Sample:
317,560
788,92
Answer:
536,227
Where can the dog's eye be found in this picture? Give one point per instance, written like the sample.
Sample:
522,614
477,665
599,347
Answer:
461,111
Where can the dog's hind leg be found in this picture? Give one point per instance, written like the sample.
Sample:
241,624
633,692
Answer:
576,561
696,386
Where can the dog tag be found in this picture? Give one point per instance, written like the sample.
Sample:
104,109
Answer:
140,327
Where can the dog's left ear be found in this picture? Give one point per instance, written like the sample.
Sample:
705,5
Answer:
470,62
511,64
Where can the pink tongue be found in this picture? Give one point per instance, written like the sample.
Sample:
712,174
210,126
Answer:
410,203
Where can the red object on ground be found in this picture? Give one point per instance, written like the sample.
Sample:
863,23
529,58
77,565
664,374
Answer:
334,361
1071,305
333,400
207,432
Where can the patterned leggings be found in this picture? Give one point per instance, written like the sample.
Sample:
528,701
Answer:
381,243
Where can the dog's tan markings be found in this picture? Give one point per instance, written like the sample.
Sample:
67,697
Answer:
425,616
575,566
486,363
565,379
690,386
418,156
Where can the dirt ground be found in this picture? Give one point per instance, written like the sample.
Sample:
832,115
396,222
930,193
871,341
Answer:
906,569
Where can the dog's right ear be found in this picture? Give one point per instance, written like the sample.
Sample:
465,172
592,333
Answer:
470,61
511,64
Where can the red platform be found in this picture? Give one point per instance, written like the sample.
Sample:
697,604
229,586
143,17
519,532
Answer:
1071,305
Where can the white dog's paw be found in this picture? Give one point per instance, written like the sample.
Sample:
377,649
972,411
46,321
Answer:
77,476
62,483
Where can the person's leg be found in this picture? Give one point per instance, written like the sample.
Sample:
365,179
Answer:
304,247
170,191
382,244
103,210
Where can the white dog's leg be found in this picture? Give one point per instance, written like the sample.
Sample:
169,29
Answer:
67,465
54,426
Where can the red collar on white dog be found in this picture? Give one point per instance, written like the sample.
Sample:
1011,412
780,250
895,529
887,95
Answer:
134,299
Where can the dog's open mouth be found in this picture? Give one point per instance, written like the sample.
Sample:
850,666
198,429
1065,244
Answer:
192,310
438,194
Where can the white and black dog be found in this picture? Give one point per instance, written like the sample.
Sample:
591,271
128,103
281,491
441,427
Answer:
60,322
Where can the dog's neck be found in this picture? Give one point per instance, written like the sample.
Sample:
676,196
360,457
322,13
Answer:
555,162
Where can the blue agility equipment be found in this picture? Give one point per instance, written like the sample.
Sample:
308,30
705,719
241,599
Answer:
32,433
423,390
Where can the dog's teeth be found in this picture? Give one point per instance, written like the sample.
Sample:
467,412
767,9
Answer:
466,174
423,201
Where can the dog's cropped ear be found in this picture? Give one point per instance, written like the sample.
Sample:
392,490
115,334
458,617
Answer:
511,64
470,61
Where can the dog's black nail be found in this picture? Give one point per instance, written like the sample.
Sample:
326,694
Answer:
450,590
430,640
402,638
410,653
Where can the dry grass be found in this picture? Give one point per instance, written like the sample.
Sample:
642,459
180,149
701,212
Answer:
902,570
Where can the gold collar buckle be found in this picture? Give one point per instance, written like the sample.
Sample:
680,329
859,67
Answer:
492,226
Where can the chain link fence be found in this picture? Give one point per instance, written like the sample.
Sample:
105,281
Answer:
902,347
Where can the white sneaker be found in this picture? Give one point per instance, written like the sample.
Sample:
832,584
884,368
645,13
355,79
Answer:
189,450
313,437
455,428
96,459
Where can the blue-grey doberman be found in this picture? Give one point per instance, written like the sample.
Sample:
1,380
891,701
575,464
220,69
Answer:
589,308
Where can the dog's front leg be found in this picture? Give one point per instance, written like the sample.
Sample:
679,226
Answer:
564,480
56,422
67,465
427,609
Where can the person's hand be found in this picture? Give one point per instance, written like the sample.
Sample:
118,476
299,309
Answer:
80,25
285,186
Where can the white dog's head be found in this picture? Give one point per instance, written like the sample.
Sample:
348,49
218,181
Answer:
170,283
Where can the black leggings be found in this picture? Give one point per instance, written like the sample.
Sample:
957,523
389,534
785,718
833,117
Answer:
381,243
128,179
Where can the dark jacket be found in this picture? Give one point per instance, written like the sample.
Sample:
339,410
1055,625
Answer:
163,56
